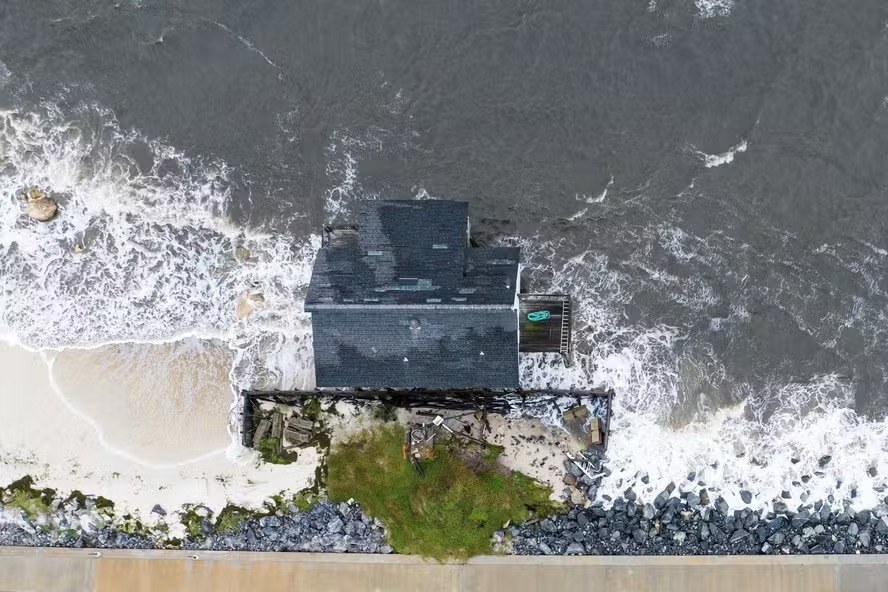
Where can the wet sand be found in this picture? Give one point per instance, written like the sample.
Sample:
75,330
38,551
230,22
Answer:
86,420
162,404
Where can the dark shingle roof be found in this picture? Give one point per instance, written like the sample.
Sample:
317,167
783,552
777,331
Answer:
412,253
413,348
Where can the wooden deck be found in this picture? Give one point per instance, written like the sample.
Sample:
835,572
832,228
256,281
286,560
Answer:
544,323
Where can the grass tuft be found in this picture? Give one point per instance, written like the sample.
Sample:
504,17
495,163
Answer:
311,409
450,512
231,517
192,522
21,494
268,451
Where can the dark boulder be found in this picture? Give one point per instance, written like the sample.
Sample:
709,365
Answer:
865,538
738,536
801,519
648,512
631,509
575,549
762,533
704,497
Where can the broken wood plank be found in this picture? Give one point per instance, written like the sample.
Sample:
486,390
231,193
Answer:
277,425
300,424
296,437
261,432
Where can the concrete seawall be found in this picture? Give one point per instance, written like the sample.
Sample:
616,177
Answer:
79,570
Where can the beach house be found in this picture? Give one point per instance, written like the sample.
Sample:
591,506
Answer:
401,299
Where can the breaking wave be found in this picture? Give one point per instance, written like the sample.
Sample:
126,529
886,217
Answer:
142,251
714,8
717,160
675,402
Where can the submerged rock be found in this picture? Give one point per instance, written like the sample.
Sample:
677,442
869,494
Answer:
242,253
39,206
247,303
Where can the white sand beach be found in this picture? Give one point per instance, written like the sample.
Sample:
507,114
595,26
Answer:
140,424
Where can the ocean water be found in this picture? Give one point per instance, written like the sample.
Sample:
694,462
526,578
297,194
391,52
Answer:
707,178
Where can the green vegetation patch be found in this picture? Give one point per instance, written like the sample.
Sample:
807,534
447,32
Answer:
231,517
22,495
384,413
311,409
192,521
303,500
450,512
268,451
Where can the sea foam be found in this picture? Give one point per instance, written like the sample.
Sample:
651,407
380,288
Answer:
142,252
